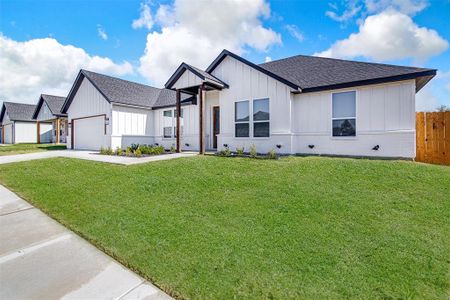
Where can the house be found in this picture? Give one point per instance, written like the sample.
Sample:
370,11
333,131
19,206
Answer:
18,125
104,111
48,112
297,105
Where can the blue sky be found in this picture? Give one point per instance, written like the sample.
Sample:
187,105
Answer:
35,38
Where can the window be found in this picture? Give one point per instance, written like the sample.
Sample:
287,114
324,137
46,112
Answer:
168,132
242,119
344,114
261,116
168,113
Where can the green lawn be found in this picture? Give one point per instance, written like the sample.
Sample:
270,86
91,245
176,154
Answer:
28,148
211,227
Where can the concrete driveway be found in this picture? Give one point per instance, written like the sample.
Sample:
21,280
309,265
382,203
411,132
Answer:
41,259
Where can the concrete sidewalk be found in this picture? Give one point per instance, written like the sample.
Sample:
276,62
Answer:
41,259
91,155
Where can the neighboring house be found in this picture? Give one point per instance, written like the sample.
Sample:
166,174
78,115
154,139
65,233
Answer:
17,123
296,105
104,111
48,112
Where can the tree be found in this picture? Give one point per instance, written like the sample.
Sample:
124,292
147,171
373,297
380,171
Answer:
443,108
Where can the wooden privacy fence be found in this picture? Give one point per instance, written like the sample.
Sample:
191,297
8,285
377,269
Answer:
433,137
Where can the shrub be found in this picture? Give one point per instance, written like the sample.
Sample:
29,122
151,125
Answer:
119,151
173,149
225,152
145,149
134,147
102,150
240,151
253,152
137,153
158,150
129,151
106,151
272,154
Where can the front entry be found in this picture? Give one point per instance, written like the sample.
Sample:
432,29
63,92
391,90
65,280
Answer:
216,125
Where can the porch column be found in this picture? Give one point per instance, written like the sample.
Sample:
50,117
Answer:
38,125
202,138
58,125
178,120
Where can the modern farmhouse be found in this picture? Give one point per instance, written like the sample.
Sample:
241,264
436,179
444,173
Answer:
18,126
296,105
48,112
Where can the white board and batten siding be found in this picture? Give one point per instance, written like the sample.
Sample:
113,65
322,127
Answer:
247,83
89,102
385,116
187,79
131,125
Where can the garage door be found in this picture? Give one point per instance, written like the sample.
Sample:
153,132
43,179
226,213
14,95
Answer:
8,133
89,133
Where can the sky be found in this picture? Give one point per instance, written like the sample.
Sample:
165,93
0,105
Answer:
44,44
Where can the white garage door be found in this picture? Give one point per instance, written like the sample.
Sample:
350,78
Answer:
8,133
89,133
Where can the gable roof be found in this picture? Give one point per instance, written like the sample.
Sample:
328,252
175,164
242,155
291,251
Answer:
314,73
17,111
311,73
204,76
54,103
119,91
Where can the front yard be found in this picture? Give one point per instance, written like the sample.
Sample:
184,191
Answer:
28,148
212,227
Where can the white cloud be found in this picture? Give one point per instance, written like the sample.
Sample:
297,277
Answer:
408,7
387,36
268,59
196,32
295,32
145,18
45,66
351,10
101,32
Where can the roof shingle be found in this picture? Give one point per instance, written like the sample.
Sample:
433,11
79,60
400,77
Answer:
18,111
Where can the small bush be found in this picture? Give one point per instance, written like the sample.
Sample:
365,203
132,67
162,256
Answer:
134,147
137,153
272,154
128,151
118,151
240,151
158,150
225,152
106,151
102,150
145,149
253,152
173,149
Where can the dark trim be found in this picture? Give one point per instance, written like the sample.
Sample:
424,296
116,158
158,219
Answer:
2,113
182,68
183,103
370,81
38,107
76,85
225,52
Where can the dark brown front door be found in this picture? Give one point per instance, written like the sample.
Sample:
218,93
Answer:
216,125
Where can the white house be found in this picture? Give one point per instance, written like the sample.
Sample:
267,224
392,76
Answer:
18,126
48,112
296,105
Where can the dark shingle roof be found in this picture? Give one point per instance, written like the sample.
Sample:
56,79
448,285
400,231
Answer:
315,73
120,91
54,103
18,111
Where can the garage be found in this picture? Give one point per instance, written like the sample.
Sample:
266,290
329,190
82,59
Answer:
8,133
89,133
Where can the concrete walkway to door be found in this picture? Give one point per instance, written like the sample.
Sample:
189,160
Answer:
92,155
41,259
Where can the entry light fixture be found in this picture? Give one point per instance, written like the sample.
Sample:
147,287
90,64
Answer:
106,121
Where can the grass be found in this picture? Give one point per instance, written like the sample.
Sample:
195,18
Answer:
212,227
28,148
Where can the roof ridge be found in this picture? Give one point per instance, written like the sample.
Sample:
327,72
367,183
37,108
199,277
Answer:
117,78
343,60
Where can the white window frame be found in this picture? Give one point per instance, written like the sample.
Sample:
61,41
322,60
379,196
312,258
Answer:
174,123
350,137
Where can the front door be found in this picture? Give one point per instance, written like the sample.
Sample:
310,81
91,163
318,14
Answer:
216,125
